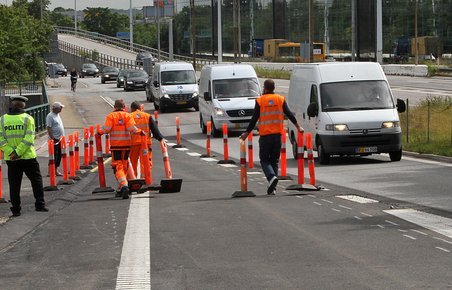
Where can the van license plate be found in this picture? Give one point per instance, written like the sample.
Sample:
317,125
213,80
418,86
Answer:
366,150
181,102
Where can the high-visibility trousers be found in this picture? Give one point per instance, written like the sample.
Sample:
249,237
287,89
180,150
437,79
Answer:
120,165
135,152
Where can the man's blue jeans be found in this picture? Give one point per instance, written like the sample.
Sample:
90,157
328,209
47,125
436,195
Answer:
269,151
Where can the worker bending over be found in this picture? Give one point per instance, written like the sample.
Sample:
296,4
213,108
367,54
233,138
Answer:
144,122
120,125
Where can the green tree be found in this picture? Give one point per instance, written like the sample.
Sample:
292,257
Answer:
22,40
36,8
58,19
104,21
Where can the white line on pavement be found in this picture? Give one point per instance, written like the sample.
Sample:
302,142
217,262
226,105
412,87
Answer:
135,267
410,237
442,249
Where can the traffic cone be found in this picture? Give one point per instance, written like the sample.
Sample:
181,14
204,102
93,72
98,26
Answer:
53,185
100,168
168,185
243,175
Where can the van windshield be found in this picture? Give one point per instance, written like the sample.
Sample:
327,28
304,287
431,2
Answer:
356,95
178,77
235,88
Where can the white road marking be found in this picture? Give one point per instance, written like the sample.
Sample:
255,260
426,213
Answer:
208,159
366,214
380,226
346,207
228,165
328,201
357,198
182,149
419,232
317,203
357,217
442,240
297,196
442,249
429,221
392,223
335,209
254,172
261,183
194,154
403,231
170,144
135,267
427,161
410,237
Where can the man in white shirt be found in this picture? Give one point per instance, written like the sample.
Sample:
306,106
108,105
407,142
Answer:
55,129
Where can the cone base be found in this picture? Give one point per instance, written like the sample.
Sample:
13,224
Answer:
80,172
243,194
301,187
150,187
226,162
286,177
206,156
170,185
2,200
66,182
86,167
51,188
103,189
178,146
75,177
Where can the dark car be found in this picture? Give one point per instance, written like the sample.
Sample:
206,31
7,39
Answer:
143,55
109,73
89,69
120,78
59,68
135,80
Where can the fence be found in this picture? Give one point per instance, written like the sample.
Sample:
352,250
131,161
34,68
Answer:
427,127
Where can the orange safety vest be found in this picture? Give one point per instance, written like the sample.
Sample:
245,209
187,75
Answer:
120,125
141,122
271,119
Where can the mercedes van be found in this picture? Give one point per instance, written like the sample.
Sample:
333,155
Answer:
172,84
348,108
228,94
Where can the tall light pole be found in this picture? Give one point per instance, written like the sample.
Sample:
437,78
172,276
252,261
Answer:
131,25
416,46
219,34
75,15
158,30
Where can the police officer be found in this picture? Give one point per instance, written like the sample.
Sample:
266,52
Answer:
120,125
145,122
270,109
17,136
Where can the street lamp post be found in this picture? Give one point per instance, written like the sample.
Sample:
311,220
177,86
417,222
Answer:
131,26
75,15
219,34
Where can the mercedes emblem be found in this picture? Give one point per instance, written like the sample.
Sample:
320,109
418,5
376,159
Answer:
241,113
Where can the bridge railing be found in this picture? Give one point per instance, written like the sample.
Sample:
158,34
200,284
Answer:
125,45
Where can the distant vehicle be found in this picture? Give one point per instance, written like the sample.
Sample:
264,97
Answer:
120,78
135,80
89,69
60,69
109,73
228,95
143,55
173,84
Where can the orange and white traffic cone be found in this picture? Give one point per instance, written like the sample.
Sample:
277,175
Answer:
100,168
66,180
226,159
283,157
243,175
169,184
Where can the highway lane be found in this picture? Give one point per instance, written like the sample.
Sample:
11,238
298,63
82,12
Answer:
412,181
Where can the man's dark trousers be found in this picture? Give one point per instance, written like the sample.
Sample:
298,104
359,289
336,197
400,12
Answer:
57,152
16,169
269,151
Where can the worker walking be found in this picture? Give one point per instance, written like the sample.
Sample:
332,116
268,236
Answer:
270,109
145,122
17,137
120,125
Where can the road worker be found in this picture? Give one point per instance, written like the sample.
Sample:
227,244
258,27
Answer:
145,122
270,109
120,125
17,137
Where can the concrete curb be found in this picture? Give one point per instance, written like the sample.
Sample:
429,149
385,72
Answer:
432,157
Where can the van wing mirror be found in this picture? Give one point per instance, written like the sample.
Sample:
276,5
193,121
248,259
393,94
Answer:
156,84
313,109
401,106
207,96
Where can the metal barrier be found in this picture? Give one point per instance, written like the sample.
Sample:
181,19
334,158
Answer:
125,45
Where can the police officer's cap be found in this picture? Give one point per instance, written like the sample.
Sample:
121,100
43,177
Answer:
19,98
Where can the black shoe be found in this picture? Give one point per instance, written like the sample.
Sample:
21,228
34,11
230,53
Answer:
118,193
42,208
16,213
125,192
272,193
272,185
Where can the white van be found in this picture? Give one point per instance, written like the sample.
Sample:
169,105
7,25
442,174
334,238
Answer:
228,94
348,108
172,84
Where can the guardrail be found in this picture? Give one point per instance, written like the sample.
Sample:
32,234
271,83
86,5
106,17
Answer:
125,45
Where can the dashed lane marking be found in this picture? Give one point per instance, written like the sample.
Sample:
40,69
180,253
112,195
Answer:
392,223
325,200
317,203
346,207
194,154
442,249
182,149
357,217
410,237
366,214
135,267
357,198
429,221
335,209
170,144
443,240
419,232
228,165
208,159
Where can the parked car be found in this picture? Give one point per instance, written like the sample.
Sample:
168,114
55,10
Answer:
143,55
109,73
135,80
89,69
120,78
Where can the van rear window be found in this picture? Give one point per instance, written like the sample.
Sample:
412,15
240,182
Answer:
355,95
